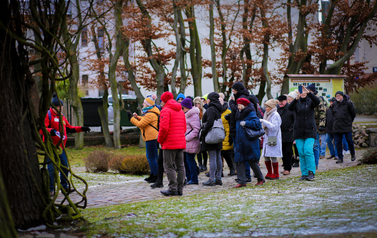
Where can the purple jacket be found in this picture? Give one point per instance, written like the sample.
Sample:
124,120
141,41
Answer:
192,131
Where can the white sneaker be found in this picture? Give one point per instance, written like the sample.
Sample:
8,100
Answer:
346,152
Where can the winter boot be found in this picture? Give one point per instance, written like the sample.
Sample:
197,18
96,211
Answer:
153,179
149,178
269,170
275,175
157,184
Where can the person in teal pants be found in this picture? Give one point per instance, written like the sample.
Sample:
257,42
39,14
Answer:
305,131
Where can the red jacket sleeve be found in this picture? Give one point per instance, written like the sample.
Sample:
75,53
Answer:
164,126
76,128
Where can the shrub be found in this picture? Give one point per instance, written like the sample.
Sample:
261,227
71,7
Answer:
97,161
369,157
131,164
365,100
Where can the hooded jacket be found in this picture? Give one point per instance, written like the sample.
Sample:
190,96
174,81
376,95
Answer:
227,145
244,148
212,113
148,124
54,123
304,126
344,114
192,131
171,135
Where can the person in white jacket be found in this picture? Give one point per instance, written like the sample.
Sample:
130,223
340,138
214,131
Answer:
271,151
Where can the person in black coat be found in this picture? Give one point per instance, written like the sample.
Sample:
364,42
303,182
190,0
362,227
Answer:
305,131
214,150
288,120
329,130
344,114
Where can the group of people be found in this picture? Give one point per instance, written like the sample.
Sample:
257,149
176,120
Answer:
176,132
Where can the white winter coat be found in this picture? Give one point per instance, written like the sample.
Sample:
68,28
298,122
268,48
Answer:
273,126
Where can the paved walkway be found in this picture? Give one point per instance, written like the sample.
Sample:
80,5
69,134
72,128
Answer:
134,189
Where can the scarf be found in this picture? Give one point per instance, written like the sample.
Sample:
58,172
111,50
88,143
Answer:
146,109
267,117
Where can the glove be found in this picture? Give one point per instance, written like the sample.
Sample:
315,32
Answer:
242,123
321,129
85,128
53,132
129,115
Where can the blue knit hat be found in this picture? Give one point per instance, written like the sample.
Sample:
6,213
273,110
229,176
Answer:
181,95
55,100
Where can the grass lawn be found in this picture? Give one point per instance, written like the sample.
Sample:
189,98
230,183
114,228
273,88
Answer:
339,202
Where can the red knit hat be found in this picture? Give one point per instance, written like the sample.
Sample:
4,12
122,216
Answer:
243,101
166,96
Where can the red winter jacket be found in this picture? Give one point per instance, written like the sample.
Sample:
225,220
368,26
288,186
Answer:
54,124
172,131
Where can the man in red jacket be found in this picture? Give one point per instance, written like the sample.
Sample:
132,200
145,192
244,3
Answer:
52,122
171,136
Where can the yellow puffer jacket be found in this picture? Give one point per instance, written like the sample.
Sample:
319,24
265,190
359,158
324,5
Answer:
145,122
226,144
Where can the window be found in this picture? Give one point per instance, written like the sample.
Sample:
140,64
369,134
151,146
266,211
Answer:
84,82
84,37
101,92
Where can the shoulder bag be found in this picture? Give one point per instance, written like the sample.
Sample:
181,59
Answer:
254,134
216,134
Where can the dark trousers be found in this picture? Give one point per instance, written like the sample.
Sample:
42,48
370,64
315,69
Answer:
287,155
339,145
175,169
202,158
241,171
229,158
160,165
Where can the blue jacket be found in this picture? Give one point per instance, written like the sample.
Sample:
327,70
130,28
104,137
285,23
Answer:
245,149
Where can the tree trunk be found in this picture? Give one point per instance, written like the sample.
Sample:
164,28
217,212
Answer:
266,42
213,49
195,52
112,74
6,220
19,162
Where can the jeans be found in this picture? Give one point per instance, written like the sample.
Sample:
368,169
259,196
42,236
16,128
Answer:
331,144
345,144
192,174
215,165
315,150
152,155
305,150
51,169
323,144
175,169
339,145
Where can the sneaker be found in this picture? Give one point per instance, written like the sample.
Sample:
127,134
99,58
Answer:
239,186
336,158
346,152
303,177
218,182
353,157
339,161
311,176
209,183
321,157
192,183
330,157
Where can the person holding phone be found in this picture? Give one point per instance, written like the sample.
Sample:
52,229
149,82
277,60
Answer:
305,130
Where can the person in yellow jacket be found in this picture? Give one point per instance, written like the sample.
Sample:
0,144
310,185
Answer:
148,125
227,151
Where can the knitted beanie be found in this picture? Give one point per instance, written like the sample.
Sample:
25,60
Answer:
55,100
271,103
166,96
243,101
187,103
150,101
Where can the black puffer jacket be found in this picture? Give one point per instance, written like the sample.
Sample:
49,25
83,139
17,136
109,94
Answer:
344,114
212,113
287,123
329,120
304,126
